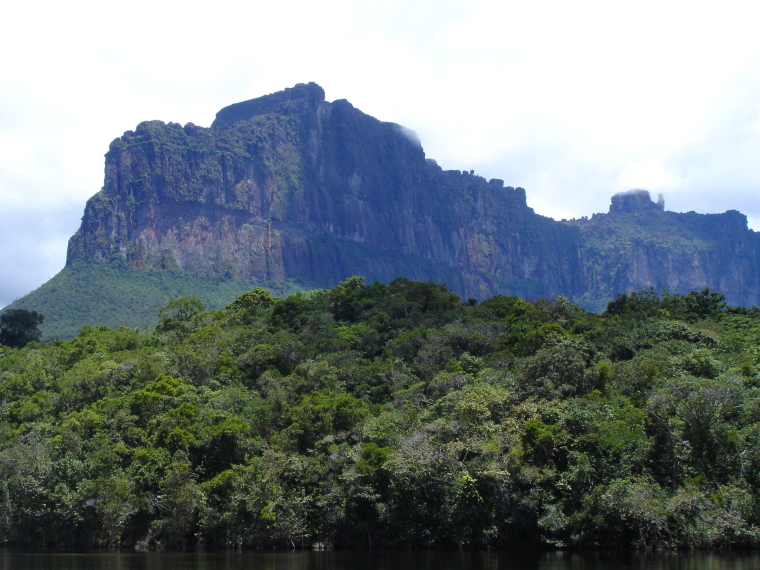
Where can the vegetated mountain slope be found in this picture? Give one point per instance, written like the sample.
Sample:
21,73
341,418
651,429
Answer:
116,295
292,187
391,416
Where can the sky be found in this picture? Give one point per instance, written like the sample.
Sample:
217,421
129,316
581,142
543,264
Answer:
574,101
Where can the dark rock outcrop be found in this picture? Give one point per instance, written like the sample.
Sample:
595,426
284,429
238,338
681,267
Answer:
290,185
634,201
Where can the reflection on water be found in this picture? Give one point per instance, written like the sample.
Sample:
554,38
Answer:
358,560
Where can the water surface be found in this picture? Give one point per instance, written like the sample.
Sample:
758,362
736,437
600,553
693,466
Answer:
365,560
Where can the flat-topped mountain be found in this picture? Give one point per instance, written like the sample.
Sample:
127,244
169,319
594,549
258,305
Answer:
292,187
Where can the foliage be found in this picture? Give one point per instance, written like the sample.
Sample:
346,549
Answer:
692,307
19,327
178,316
116,295
389,415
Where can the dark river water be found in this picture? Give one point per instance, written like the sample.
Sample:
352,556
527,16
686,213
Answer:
358,560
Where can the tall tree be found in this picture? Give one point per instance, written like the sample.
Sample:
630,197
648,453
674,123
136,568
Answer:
20,326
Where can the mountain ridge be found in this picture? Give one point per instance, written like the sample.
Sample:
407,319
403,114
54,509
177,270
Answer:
289,186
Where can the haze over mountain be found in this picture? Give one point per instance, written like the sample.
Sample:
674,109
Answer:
292,187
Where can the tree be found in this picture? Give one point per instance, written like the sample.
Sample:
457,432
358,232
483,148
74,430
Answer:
645,303
20,326
177,316
698,305
702,417
252,300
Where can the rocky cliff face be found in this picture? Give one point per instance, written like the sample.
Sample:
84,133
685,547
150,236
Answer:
639,245
290,185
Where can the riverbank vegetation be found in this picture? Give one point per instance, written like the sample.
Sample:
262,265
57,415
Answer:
390,416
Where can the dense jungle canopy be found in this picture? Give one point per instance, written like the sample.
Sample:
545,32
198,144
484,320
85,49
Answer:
390,416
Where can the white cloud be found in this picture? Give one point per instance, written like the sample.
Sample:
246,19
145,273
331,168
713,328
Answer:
650,173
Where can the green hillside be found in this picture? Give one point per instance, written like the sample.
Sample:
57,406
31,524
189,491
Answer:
117,295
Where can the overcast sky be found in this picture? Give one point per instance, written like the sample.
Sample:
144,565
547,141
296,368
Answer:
572,100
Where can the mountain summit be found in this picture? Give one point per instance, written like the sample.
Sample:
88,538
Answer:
291,187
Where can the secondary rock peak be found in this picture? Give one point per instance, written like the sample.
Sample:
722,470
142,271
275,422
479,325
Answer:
635,200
